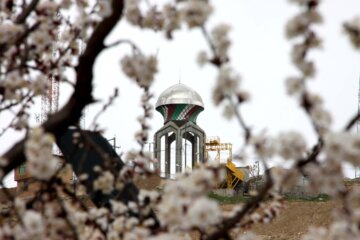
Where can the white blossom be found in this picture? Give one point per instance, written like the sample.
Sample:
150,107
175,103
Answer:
172,19
315,233
140,68
326,178
202,58
132,12
227,83
9,32
39,85
104,182
196,12
3,162
229,112
298,53
21,122
352,29
221,40
321,117
33,223
264,146
291,145
343,146
169,236
41,38
294,85
66,4
38,150
300,23
180,195
152,196
203,213
153,19
105,8
100,215
343,230
13,83
314,100
248,236
307,68
119,224
47,7
118,207
284,179
137,233
243,96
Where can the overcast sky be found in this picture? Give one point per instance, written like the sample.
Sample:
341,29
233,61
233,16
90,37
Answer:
260,53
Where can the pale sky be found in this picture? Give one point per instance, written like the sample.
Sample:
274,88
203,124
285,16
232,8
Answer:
261,55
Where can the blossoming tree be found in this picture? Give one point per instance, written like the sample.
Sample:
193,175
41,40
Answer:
40,39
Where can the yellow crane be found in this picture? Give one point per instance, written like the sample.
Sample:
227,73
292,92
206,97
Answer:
234,176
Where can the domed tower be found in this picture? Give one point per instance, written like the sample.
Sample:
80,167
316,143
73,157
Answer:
180,137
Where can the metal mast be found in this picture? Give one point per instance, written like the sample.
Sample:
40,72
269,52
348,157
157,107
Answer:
50,100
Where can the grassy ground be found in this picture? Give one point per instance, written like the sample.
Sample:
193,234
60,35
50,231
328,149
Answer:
318,198
228,199
223,200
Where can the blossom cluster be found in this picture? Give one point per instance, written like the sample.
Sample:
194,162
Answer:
343,146
140,68
41,163
288,145
183,204
221,41
301,26
48,43
193,12
352,29
331,180
40,46
227,83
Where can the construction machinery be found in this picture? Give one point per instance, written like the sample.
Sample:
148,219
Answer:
234,176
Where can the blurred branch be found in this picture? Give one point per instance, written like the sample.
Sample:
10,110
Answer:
240,118
82,95
251,205
352,122
24,14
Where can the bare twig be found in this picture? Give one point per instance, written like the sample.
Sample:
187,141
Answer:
352,122
241,120
105,107
24,14
82,96
121,41
229,223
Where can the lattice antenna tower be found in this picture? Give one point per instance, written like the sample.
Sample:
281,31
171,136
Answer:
50,100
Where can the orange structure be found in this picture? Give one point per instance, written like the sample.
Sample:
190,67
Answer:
234,175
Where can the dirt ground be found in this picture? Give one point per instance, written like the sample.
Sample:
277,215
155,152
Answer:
295,220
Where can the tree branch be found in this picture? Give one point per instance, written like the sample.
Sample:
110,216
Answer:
252,204
352,121
82,96
24,14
